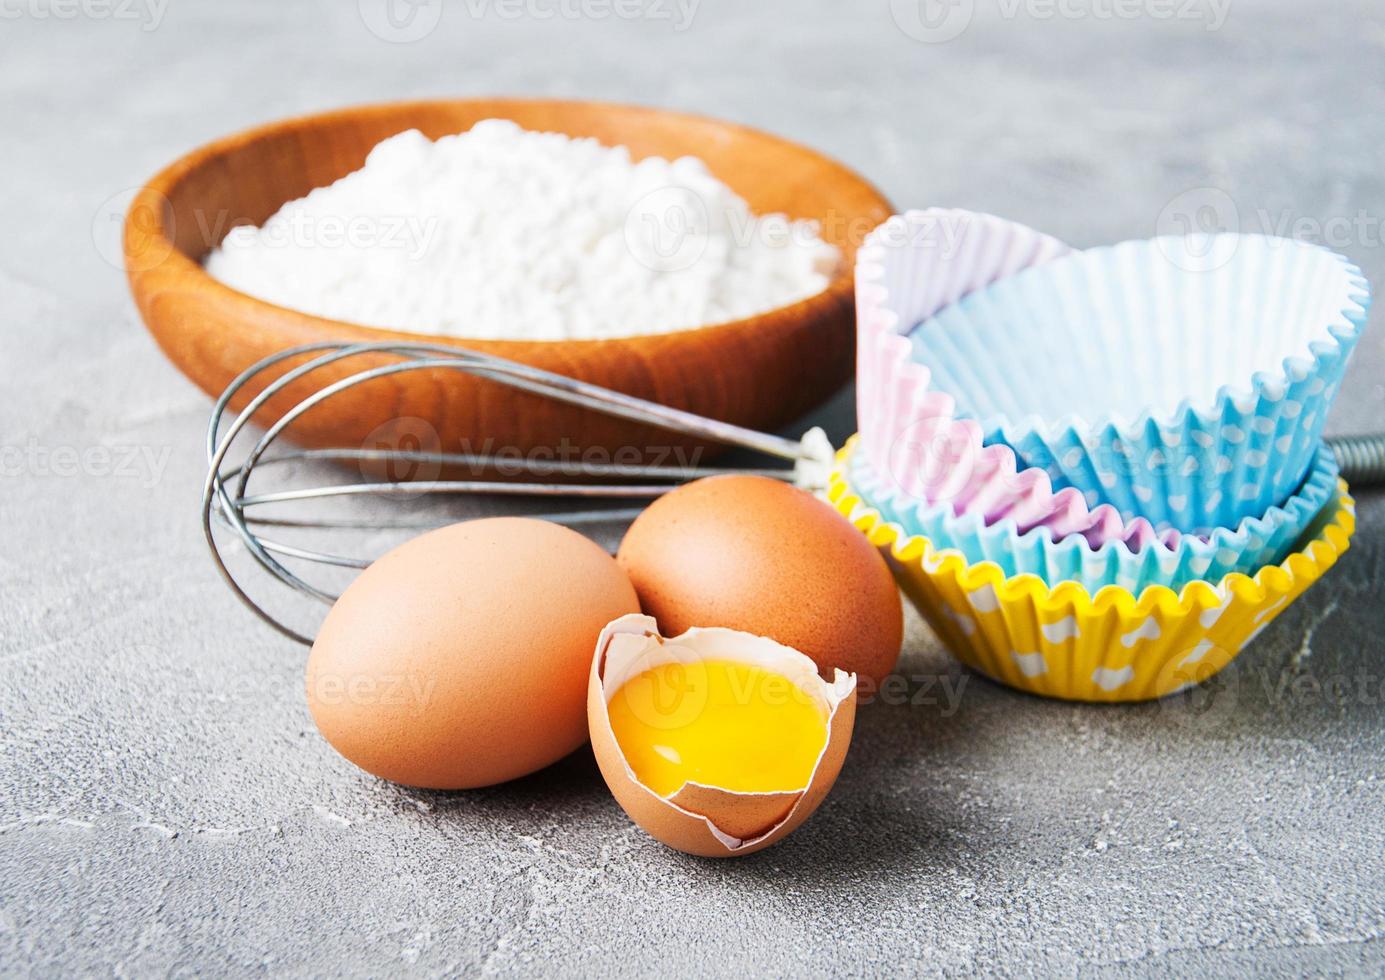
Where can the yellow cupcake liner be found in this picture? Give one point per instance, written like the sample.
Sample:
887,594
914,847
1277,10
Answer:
1062,642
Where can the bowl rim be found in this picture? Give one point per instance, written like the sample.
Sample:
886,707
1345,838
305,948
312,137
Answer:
154,196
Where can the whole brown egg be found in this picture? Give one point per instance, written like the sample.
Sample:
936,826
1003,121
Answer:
755,554
461,658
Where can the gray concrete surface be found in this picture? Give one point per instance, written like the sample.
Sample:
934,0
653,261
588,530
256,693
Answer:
166,806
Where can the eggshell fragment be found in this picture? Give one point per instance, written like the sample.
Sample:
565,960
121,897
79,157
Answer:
706,820
460,658
755,554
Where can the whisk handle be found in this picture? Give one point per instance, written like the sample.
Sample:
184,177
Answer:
1361,458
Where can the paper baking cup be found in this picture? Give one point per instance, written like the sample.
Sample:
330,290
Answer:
1183,380
1254,543
1063,642
907,270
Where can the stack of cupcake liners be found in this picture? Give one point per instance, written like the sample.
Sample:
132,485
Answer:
1098,474
1253,543
1190,397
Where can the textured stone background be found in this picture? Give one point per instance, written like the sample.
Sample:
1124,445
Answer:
165,803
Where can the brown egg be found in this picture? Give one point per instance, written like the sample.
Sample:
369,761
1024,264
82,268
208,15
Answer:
460,658
758,555
711,821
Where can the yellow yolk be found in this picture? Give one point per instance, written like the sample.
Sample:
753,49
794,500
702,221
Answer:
718,723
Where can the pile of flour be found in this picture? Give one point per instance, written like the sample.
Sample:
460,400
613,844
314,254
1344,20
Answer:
504,233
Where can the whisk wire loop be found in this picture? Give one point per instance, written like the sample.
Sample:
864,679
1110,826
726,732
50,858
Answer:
226,497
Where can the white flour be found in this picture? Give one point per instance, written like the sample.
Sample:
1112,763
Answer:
504,233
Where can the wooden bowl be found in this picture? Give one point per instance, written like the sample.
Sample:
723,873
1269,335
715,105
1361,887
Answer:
760,372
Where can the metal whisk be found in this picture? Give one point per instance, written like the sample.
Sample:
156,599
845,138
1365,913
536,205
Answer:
228,503
1361,458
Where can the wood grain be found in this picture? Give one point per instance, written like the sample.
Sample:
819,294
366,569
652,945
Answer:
761,372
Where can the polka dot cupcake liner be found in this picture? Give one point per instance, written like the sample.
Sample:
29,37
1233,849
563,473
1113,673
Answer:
1065,642
907,270
1181,380
1255,542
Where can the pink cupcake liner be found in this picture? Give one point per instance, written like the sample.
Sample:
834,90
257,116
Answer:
907,270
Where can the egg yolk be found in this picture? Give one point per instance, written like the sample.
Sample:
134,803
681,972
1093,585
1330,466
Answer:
718,723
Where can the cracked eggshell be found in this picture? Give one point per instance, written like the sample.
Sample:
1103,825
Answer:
705,820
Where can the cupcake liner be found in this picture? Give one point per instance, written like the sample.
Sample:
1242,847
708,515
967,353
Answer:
907,270
1257,541
1182,380
1063,642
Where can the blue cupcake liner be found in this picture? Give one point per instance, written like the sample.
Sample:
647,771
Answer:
1193,397
1258,541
